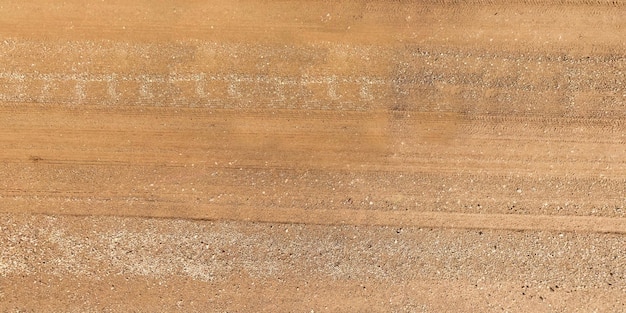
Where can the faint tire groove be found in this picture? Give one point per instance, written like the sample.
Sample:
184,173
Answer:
512,222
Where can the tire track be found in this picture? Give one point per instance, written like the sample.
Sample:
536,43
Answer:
511,222
422,219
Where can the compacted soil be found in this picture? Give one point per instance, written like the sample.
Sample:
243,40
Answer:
312,156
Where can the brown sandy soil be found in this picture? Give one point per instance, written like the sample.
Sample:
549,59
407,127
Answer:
312,156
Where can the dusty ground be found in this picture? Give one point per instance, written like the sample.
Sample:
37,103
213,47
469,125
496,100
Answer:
310,156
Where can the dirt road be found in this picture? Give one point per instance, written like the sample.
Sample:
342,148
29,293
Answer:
292,156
